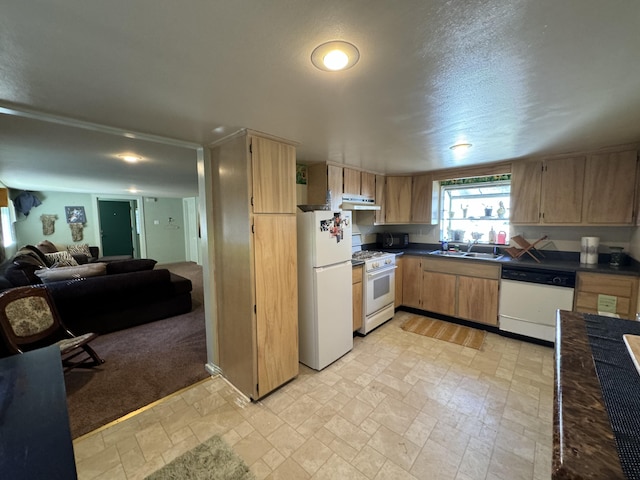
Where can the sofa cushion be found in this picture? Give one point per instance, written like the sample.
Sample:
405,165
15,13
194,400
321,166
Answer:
128,266
60,259
19,270
79,249
45,246
65,273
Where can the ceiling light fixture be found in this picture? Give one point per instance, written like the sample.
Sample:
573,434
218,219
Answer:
127,157
460,146
335,56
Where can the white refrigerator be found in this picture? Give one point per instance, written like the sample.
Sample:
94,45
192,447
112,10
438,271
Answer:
325,324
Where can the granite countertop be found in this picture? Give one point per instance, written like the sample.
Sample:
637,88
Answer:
552,260
583,443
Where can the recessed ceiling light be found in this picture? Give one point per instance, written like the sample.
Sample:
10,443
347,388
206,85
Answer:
460,146
133,190
127,157
335,56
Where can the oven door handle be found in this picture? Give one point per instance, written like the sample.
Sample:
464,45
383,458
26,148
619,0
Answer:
373,275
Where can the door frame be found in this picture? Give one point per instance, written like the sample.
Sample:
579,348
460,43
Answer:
137,222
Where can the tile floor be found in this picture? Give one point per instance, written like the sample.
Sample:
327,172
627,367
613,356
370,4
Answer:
399,406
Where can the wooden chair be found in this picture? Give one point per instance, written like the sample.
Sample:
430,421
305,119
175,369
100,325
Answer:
29,320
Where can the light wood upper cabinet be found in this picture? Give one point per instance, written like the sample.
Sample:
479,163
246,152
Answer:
398,200
381,199
421,191
4,197
274,176
562,187
368,184
320,178
351,181
526,180
609,188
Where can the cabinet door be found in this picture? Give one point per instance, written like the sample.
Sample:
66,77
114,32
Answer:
381,199
590,286
562,187
439,292
526,178
399,282
351,181
368,184
421,199
478,299
609,188
411,281
276,281
334,183
357,300
398,200
273,176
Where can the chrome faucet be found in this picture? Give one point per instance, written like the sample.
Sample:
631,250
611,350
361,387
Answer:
470,245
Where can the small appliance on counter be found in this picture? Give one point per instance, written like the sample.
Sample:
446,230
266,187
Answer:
392,240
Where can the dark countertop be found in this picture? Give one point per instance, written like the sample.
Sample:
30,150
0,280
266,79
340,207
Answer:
560,261
584,445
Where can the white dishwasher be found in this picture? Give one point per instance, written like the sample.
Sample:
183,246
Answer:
530,297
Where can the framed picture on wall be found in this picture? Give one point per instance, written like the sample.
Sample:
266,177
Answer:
75,215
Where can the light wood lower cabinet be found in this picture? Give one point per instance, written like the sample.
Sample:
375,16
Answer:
411,281
466,289
356,283
399,282
589,286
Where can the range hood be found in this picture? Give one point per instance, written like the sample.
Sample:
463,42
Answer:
358,202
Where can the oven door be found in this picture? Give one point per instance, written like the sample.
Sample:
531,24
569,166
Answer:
380,289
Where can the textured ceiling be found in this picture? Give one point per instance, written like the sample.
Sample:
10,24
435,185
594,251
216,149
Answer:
515,78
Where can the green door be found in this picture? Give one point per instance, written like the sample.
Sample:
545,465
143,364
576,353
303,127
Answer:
115,227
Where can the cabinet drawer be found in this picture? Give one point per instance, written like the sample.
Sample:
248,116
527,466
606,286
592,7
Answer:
587,302
356,274
469,268
617,285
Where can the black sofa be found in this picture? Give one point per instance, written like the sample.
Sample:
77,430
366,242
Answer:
125,293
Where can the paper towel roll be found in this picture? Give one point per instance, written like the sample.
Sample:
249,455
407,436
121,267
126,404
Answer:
589,250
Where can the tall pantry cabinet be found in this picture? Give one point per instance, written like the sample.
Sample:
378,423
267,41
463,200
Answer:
254,210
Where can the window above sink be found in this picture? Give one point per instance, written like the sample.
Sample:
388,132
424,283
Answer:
475,209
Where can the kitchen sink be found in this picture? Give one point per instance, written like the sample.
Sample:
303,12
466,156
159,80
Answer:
486,256
443,253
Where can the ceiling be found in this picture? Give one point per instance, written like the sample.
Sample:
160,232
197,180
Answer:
81,82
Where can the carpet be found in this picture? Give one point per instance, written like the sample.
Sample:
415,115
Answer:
142,364
211,460
449,332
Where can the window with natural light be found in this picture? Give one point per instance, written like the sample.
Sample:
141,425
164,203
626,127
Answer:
475,210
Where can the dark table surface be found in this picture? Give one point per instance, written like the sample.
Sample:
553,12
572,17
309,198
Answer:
35,440
584,444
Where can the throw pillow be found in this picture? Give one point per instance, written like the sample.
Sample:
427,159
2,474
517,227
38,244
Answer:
80,249
45,246
66,273
60,259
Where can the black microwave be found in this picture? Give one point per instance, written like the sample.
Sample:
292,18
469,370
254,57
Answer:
392,240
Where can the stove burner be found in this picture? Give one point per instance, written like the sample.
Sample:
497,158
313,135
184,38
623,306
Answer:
366,254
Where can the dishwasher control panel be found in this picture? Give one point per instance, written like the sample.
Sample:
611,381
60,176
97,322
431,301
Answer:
540,276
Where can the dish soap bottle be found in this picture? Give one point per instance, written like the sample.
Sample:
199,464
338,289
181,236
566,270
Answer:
492,235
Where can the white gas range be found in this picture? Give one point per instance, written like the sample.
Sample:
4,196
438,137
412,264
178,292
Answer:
378,285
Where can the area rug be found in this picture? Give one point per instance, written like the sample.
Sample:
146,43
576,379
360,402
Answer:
449,332
211,460
142,364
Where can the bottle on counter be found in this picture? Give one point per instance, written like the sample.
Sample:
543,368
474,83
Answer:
492,235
